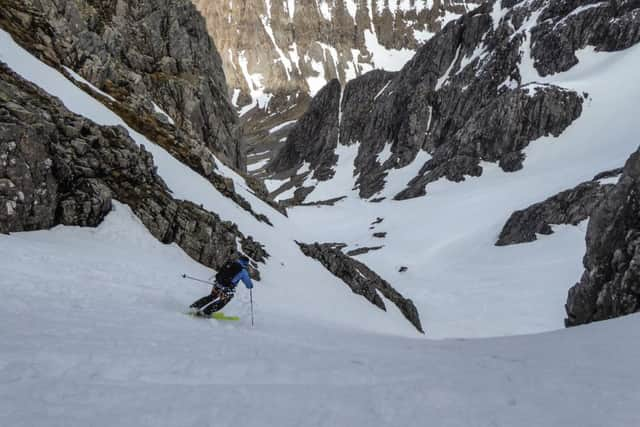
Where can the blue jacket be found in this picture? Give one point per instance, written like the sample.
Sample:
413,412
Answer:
243,275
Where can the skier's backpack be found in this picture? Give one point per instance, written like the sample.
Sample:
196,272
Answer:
227,272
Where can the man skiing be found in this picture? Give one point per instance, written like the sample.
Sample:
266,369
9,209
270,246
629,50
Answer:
224,287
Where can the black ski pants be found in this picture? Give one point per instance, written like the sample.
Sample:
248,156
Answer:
213,302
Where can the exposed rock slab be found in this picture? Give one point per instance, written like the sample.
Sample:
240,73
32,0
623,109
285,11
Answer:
568,207
361,279
144,55
610,284
467,96
60,168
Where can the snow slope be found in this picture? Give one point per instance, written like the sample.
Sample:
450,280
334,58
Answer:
296,285
462,285
460,282
91,333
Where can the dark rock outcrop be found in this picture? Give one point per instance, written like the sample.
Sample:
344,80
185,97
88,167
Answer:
138,52
59,168
142,53
292,46
568,207
610,284
362,251
313,134
468,95
361,279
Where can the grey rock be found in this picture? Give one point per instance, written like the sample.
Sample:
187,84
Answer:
378,220
362,251
312,136
361,279
461,98
608,174
608,26
87,205
609,286
568,207
61,186
140,52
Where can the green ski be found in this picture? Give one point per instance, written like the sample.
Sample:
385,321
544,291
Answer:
217,316
220,316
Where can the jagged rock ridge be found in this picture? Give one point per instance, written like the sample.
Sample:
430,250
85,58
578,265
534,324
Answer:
568,207
610,284
470,94
276,54
150,58
60,168
361,279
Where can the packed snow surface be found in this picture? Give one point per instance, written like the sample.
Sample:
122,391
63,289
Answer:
92,334
296,283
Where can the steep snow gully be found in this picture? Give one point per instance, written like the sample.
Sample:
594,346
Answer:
92,330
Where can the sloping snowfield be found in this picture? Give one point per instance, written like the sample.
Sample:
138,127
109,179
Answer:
91,334
461,283
297,285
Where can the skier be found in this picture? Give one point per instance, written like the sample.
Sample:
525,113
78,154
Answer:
224,287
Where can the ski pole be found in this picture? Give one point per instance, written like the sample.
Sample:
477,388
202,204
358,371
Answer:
251,298
195,279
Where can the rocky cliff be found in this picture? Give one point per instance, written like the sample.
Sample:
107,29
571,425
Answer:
153,57
152,63
278,54
60,168
610,284
474,92
567,207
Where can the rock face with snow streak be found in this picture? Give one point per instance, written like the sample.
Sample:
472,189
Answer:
610,284
59,168
276,54
139,52
289,49
361,279
472,93
124,50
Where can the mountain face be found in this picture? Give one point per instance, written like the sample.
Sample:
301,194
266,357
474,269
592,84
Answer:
609,286
140,53
474,97
276,54
153,64
61,168
475,92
